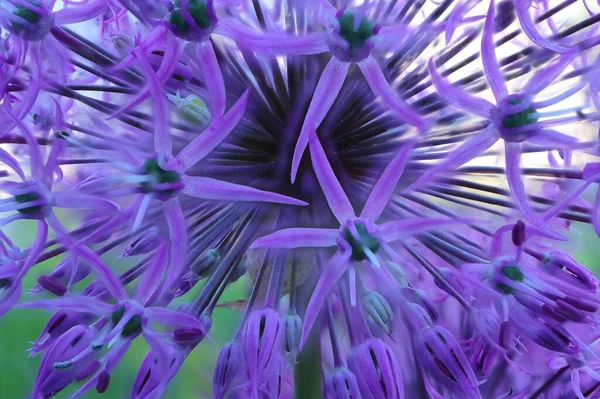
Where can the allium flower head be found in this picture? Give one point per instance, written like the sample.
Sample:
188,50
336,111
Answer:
398,183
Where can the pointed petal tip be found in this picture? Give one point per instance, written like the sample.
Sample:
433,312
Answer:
298,202
295,164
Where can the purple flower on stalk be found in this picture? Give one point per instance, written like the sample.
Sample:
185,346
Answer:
358,238
522,8
119,324
34,198
443,358
260,342
72,342
514,118
30,23
375,366
350,37
228,363
187,21
342,384
527,309
163,176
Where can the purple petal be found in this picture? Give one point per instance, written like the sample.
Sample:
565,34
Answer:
108,278
52,163
553,138
35,158
473,147
80,304
150,41
272,43
522,9
381,88
36,81
162,139
73,15
458,98
392,231
212,189
334,193
11,162
327,281
37,246
160,349
385,186
213,78
170,317
213,135
11,296
545,76
491,67
178,238
167,66
455,17
152,277
329,86
591,171
516,184
75,200
298,238
595,211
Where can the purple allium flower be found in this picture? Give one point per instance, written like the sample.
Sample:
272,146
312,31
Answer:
150,144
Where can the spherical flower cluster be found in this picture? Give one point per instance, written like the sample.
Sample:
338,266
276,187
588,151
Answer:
396,181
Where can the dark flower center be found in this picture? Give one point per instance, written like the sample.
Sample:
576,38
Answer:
197,9
29,197
513,273
40,21
28,14
355,38
525,117
157,176
364,242
132,327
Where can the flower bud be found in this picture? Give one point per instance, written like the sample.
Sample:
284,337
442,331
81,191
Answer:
554,337
191,108
206,262
398,273
379,311
150,382
421,298
59,323
443,358
88,370
52,285
343,385
561,265
377,370
226,369
260,344
146,242
122,43
57,370
292,325
239,270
